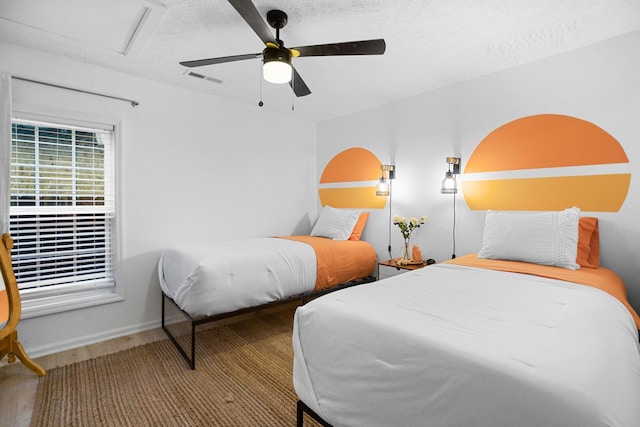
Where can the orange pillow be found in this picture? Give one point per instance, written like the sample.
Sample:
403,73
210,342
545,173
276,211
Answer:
359,227
588,242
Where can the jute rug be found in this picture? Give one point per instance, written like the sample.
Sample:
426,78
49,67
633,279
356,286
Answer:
243,377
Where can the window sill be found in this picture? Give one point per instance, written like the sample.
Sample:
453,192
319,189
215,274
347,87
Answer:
61,303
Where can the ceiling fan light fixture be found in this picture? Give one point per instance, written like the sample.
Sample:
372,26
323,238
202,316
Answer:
276,66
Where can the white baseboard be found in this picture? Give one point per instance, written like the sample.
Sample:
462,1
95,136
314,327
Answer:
45,350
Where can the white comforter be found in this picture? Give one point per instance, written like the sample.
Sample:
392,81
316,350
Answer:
448,345
219,277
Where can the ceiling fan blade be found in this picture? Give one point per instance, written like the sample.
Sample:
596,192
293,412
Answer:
298,85
362,47
220,60
250,14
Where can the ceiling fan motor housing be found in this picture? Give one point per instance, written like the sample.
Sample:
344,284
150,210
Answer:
280,54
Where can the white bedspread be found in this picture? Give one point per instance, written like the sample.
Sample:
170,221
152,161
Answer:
219,277
448,345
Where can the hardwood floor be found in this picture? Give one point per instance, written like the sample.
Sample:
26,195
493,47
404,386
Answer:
18,384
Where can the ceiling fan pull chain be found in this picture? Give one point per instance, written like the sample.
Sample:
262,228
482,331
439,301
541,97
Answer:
260,104
293,98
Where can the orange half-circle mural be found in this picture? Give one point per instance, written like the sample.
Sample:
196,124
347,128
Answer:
544,145
349,181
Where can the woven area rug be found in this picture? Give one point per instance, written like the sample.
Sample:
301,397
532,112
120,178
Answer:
243,377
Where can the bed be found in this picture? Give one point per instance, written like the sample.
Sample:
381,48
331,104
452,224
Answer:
211,281
476,341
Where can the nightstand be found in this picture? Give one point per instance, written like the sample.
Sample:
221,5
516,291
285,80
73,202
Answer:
397,269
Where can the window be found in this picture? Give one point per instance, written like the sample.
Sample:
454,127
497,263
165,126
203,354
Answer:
62,212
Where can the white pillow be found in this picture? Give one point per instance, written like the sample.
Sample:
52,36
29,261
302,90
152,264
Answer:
336,224
548,238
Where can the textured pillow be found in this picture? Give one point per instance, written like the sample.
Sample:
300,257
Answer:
336,224
547,238
359,227
588,242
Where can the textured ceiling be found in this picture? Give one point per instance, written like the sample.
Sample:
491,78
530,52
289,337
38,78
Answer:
430,43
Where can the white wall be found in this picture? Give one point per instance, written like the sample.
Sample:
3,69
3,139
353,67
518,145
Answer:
599,83
194,167
178,145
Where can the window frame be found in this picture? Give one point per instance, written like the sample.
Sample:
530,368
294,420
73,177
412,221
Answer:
40,302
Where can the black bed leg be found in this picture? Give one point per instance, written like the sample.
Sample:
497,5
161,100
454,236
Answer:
191,361
193,346
299,414
301,408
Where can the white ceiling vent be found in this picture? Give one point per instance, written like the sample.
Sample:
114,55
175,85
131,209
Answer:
202,76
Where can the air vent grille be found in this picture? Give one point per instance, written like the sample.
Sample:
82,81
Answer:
202,77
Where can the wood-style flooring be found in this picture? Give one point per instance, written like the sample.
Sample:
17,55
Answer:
18,384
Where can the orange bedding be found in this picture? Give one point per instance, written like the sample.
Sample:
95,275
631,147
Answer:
601,278
339,261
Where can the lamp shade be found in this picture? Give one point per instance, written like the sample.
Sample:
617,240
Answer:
449,185
276,66
382,189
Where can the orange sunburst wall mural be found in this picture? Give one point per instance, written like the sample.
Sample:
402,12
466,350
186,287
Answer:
547,162
349,180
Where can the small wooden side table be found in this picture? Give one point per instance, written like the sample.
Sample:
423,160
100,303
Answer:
392,263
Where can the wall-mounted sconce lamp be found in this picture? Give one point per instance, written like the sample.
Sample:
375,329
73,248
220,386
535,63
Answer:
449,185
384,185
383,189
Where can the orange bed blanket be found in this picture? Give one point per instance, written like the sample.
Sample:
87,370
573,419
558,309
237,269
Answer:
339,261
601,278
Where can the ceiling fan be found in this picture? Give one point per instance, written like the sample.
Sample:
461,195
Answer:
276,57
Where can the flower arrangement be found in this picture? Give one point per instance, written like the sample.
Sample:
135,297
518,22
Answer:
406,226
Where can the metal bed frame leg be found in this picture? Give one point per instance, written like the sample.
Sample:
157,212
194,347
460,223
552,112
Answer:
191,361
301,409
299,414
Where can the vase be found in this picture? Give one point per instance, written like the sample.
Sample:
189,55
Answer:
406,255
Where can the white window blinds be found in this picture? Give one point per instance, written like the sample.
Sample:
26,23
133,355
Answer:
62,210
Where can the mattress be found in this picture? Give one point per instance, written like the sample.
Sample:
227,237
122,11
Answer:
452,345
210,278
